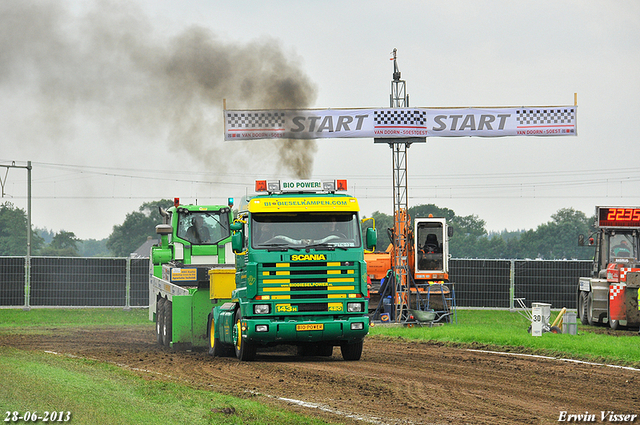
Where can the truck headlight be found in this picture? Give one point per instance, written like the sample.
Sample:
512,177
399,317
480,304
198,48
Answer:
357,326
262,328
262,308
354,307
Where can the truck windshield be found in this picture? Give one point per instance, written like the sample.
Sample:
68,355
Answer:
301,230
203,227
622,247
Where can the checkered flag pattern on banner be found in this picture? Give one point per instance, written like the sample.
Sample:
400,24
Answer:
255,120
546,116
400,117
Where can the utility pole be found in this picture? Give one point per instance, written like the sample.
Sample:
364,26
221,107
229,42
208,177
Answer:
27,264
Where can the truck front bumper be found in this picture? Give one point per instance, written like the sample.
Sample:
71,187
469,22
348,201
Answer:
335,330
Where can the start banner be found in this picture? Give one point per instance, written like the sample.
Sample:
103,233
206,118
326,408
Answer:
400,123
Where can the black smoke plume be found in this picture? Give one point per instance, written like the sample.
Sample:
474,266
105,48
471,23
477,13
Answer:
109,68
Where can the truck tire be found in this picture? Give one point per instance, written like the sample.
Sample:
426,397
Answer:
245,350
351,351
613,324
159,319
590,319
167,325
216,348
582,307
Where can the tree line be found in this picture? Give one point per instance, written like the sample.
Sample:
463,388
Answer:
555,239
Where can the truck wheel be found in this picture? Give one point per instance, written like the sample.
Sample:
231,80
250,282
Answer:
613,324
582,307
245,350
351,351
211,335
590,319
216,348
166,328
159,320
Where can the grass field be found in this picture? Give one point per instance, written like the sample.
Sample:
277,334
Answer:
501,330
100,393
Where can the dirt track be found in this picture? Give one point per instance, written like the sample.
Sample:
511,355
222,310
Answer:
394,382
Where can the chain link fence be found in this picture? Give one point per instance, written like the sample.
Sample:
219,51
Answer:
124,282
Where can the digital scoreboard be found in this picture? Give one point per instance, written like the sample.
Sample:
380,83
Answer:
618,217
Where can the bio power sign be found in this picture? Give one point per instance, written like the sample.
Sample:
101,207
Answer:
400,123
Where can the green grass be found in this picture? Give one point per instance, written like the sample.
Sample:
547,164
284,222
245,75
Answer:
73,317
507,331
100,393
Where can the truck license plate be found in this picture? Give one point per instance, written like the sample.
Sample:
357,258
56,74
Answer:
310,327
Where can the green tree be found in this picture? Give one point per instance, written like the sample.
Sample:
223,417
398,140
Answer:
558,238
13,231
467,229
135,229
46,234
384,222
93,248
63,244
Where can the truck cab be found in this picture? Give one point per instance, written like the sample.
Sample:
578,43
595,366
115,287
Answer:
300,273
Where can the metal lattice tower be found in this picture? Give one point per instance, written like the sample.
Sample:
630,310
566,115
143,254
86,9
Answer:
401,232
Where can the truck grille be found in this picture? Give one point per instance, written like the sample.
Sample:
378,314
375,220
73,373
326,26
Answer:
309,286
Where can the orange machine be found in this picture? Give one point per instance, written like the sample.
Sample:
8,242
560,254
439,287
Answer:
427,262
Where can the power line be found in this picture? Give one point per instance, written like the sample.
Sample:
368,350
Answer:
517,184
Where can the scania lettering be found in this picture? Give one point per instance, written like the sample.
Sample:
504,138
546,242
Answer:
308,257
301,278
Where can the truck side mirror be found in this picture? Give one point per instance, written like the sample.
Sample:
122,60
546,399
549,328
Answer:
237,238
372,238
449,231
237,242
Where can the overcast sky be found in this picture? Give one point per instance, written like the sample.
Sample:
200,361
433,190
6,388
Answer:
120,103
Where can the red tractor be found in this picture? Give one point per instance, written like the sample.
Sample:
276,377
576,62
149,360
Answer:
610,295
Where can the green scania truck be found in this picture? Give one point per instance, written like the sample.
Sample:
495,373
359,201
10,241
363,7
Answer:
299,279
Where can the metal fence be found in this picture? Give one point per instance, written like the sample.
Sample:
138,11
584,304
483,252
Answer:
123,282
497,283
74,282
